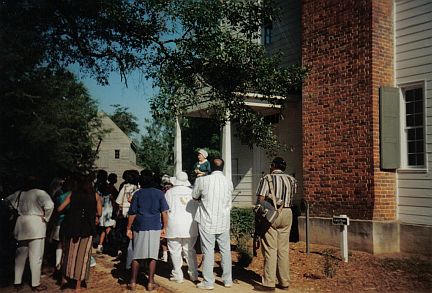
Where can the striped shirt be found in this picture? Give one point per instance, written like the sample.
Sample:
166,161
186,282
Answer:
285,186
214,191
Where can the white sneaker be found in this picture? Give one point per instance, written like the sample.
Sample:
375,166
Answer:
204,286
176,280
99,249
228,285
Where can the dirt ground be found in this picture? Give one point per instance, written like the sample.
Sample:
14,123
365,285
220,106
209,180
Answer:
320,271
323,271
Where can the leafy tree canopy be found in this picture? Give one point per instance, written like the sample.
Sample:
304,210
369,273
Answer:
155,151
124,119
196,51
48,125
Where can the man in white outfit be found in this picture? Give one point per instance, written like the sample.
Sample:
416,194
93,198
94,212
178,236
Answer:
34,207
213,216
182,230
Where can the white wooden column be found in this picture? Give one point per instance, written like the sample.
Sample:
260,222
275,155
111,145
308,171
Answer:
226,149
177,148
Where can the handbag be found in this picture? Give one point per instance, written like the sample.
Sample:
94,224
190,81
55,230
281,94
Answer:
266,209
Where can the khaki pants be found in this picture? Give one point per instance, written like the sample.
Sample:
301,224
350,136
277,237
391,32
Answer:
275,249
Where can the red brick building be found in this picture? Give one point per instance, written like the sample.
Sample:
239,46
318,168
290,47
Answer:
356,52
360,135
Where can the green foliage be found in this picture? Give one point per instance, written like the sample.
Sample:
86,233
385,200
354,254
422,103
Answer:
217,61
195,50
48,125
242,228
124,119
242,223
245,253
155,151
330,263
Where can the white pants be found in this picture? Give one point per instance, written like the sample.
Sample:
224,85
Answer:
186,245
33,249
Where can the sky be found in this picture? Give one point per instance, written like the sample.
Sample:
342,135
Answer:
135,96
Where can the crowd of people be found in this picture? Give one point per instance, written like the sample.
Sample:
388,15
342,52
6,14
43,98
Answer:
143,219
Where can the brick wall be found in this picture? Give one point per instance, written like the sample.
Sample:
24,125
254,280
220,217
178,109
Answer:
382,75
343,48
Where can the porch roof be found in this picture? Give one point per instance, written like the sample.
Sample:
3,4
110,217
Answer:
252,100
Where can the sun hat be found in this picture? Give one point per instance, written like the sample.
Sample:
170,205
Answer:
203,152
180,179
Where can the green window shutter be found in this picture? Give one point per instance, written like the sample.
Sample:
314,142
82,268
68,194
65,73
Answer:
389,128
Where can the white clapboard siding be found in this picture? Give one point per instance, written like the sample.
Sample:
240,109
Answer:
414,210
286,32
411,183
414,201
414,28
416,192
403,6
116,139
415,219
413,36
424,42
407,55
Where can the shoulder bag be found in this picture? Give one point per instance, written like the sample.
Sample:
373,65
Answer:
266,209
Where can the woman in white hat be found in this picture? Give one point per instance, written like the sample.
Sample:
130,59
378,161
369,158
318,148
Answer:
182,230
202,167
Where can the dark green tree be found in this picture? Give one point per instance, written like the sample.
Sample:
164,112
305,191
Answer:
196,51
124,119
48,125
155,151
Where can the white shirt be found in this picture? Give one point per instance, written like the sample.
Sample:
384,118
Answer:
182,209
122,198
213,212
34,208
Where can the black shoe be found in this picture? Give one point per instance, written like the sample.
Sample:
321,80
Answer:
18,287
282,287
40,288
262,288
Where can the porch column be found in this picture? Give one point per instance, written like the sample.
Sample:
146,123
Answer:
226,149
177,148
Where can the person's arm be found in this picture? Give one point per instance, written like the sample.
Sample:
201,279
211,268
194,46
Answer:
262,190
208,168
65,203
164,223
119,199
98,205
47,205
131,219
133,209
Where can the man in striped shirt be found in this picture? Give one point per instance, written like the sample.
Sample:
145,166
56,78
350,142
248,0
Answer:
275,242
213,216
